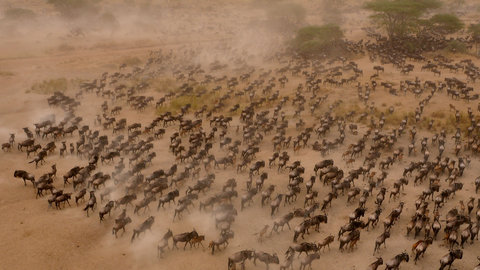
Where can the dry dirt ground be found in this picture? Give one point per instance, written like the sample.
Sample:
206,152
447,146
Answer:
34,236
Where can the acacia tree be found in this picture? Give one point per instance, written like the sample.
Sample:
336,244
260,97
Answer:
445,23
74,8
399,17
315,40
474,30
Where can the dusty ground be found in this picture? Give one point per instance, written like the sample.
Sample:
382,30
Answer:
36,237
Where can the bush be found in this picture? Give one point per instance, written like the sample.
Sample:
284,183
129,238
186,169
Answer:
50,86
109,20
456,46
446,23
195,102
75,8
19,14
163,85
65,47
286,16
131,61
438,114
312,40
6,74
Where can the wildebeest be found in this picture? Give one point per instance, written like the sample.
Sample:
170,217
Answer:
164,242
450,257
120,224
240,257
146,225
420,247
375,264
308,260
106,210
25,176
91,202
265,258
184,237
394,263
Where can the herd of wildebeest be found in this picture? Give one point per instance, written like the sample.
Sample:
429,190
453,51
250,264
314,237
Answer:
279,112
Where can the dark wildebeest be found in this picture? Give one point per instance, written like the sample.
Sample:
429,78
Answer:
450,257
146,225
308,260
91,202
25,176
240,257
184,237
394,263
164,242
120,224
265,258
106,210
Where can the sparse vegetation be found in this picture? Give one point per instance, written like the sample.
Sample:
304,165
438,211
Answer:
108,20
438,114
50,86
445,23
314,40
456,46
66,47
286,16
16,14
6,74
474,30
75,8
399,18
131,61
195,102
163,85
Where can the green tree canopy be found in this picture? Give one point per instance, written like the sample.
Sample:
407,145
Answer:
445,23
317,39
474,30
399,17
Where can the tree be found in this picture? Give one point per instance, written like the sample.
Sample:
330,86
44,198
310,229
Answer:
312,40
474,30
19,14
286,16
74,8
399,17
445,23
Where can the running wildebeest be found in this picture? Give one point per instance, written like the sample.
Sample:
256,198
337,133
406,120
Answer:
146,225
184,237
265,258
25,176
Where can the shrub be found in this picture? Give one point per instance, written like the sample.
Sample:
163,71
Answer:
163,85
74,8
286,16
19,14
313,40
131,61
65,47
109,20
50,86
438,114
456,46
446,23
6,74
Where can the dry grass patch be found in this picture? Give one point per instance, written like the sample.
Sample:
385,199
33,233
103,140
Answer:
49,86
6,74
